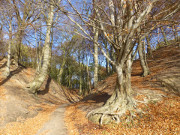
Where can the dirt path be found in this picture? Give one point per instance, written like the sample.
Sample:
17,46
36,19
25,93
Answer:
56,125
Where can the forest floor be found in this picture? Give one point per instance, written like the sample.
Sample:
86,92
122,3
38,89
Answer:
25,114
160,90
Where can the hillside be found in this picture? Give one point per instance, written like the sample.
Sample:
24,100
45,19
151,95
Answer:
157,95
159,91
21,112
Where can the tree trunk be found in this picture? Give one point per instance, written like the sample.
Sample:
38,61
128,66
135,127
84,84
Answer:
164,35
2,44
80,79
144,64
121,100
69,76
18,46
39,53
88,75
149,50
95,58
107,61
39,79
7,72
175,33
61,71
112,56
135,53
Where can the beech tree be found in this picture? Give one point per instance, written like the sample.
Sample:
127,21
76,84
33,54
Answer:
95,40
25,13
149,48
39,78
123,24
119,21
7,13
7,72
142,56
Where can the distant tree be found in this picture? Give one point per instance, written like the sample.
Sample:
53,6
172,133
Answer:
26,12
149,48
175,32
2,43
142,55
7,72
119,22
164,36
7,13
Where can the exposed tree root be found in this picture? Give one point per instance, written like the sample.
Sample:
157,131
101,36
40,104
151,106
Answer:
115,109
113,112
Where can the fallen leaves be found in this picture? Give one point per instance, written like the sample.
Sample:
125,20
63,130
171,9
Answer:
161,118
29,126
2,93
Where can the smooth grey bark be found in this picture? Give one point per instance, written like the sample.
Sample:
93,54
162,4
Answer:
112,56
39,78
95,41
96,65
121,25
121,99
144,64
7,72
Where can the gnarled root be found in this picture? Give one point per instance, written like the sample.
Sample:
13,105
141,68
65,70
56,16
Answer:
112,113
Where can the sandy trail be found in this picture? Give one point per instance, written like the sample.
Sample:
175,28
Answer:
56,125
